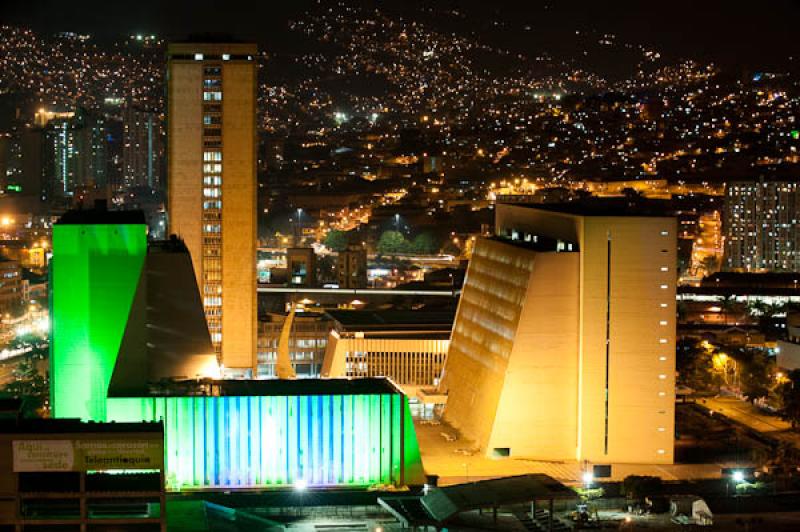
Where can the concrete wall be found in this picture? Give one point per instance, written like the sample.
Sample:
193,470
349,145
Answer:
789,355
632,307
185,157
537,412
239,235
488,314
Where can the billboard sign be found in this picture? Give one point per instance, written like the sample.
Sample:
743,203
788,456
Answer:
86,455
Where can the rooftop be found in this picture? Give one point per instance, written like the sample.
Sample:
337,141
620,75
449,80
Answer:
605,207
272,387
443,504
62,426
101,216
747,283
393,319
542,244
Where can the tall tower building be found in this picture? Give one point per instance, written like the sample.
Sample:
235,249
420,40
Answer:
141,148
760,221
211,128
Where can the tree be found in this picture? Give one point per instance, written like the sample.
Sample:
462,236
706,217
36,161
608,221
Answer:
790,396
392,242
336,240
728,305
694,364
29,386
638,487
754,373
424,244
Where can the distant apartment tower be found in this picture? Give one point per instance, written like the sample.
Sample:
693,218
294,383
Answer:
761,231
211,98
142,147
351,267
563,346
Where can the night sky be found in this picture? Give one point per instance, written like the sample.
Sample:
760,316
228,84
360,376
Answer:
738,34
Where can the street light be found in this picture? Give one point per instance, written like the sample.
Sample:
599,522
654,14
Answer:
588,478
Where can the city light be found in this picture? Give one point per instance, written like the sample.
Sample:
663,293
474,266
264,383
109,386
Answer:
606,233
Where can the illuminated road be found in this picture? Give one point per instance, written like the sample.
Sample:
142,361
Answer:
749,415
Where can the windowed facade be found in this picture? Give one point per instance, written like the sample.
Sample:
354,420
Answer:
761,231
212,210
212,187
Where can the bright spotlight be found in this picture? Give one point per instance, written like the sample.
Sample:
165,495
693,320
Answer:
300,484
738,477
588,477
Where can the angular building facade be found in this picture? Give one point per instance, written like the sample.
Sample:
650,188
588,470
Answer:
563,346
211,98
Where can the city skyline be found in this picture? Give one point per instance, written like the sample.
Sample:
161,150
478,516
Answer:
393,265
737,37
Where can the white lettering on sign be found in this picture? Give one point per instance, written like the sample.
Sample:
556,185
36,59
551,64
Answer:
43,455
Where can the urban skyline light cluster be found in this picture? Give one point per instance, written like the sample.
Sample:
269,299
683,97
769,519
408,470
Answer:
398,266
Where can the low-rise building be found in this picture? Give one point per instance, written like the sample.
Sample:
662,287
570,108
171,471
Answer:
409,347
62,474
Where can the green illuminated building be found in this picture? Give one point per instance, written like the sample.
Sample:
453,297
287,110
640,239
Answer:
97,262
273,433
130,343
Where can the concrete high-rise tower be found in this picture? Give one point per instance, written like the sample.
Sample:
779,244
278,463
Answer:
211,117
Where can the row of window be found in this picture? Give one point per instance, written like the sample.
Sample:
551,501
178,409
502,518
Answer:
212,228
212,301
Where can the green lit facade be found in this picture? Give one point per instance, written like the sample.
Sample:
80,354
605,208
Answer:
223,435
94,274
273,441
